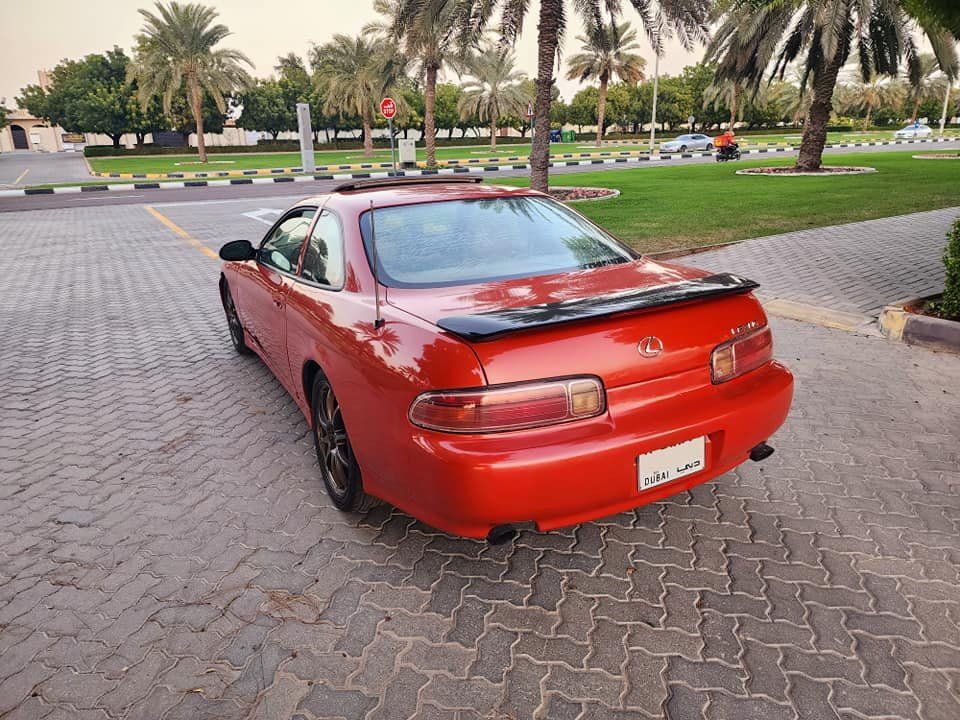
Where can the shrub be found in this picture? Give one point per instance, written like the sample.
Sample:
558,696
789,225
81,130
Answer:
950,305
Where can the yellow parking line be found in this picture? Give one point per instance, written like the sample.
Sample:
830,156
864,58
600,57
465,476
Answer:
182,233
22,176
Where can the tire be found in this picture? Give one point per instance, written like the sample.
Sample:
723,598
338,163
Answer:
683,148
709,147
233,321
338,465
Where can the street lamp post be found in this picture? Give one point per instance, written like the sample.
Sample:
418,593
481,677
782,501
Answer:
946,105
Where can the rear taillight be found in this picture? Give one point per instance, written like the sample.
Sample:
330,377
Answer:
736,357
509,407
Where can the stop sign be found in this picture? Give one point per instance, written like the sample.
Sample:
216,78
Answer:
388,108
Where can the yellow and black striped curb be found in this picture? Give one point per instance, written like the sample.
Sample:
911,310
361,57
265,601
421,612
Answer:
214,180
266,172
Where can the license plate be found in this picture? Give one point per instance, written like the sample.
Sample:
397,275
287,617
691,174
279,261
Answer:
669,463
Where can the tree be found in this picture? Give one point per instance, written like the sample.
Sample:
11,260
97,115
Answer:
624,105
267,107
687,18
875,93
692,96
424,30
757,34
607,51
931,81
446,115
355,73
3,117
583,108
176,49
494,90
92,95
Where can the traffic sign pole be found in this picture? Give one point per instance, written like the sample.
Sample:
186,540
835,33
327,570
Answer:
388,108
393,155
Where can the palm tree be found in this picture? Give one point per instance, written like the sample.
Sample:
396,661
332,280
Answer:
725,94
874,93
355,73
177,49
757,34
494,90
424,30
606,52
687,18
932,79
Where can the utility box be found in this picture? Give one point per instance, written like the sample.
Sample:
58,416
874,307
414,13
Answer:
408,153
568,136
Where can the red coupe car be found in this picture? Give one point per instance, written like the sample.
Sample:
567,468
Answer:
485,357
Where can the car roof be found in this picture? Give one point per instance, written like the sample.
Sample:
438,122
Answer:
359,199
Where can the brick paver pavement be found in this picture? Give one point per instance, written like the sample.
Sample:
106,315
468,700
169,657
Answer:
167,550
858,267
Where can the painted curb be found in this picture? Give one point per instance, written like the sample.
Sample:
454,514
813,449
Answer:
900,325
253,178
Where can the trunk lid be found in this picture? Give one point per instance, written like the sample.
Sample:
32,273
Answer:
608,345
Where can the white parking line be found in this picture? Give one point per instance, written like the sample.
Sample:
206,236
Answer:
259,214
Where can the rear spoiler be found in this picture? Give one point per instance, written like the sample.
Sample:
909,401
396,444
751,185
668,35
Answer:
488,325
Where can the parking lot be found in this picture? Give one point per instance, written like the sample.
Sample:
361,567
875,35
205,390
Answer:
167,549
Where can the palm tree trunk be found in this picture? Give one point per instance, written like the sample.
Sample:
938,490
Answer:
734,101
869,117
601,107
367,135
429,114
196,106
810,157
493,134
916,109
550,12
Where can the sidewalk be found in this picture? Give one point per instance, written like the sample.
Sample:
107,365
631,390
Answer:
855,268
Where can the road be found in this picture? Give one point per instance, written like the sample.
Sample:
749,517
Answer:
167,550
291,191
21,168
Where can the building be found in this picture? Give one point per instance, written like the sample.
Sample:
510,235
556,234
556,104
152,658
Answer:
26,132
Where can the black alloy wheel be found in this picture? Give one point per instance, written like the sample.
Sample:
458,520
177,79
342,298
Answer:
338,464
233,321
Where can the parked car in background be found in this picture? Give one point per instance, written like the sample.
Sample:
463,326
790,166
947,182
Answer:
682,143
484,356
916,130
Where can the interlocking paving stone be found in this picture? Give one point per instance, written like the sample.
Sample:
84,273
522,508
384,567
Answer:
858,267
167,549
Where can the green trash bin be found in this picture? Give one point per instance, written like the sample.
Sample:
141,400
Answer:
568,136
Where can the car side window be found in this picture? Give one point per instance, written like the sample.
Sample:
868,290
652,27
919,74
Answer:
281,248
323,259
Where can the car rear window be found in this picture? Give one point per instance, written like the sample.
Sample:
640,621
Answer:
459,242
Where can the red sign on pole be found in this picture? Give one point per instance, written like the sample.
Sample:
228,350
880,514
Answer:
388,108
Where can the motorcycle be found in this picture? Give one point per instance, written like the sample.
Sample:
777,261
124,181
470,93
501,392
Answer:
728,152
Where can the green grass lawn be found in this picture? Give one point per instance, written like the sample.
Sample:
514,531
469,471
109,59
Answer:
254,161
692,205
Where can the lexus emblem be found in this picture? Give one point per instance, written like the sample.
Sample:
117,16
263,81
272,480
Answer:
650,346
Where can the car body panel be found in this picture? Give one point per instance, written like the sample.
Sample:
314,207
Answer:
467,484
691,141
914,131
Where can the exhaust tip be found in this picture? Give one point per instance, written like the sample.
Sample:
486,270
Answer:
501,534
761,452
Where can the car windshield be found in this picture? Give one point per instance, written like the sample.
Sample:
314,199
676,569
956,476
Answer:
458,242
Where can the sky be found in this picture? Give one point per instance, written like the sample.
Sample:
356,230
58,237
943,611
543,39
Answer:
35,35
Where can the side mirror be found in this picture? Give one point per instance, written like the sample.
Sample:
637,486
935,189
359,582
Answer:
238,250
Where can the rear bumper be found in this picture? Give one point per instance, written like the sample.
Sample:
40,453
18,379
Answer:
572,473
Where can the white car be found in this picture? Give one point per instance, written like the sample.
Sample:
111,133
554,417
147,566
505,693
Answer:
916,130
683,143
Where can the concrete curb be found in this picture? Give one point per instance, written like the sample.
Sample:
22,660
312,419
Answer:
252,177
897,323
